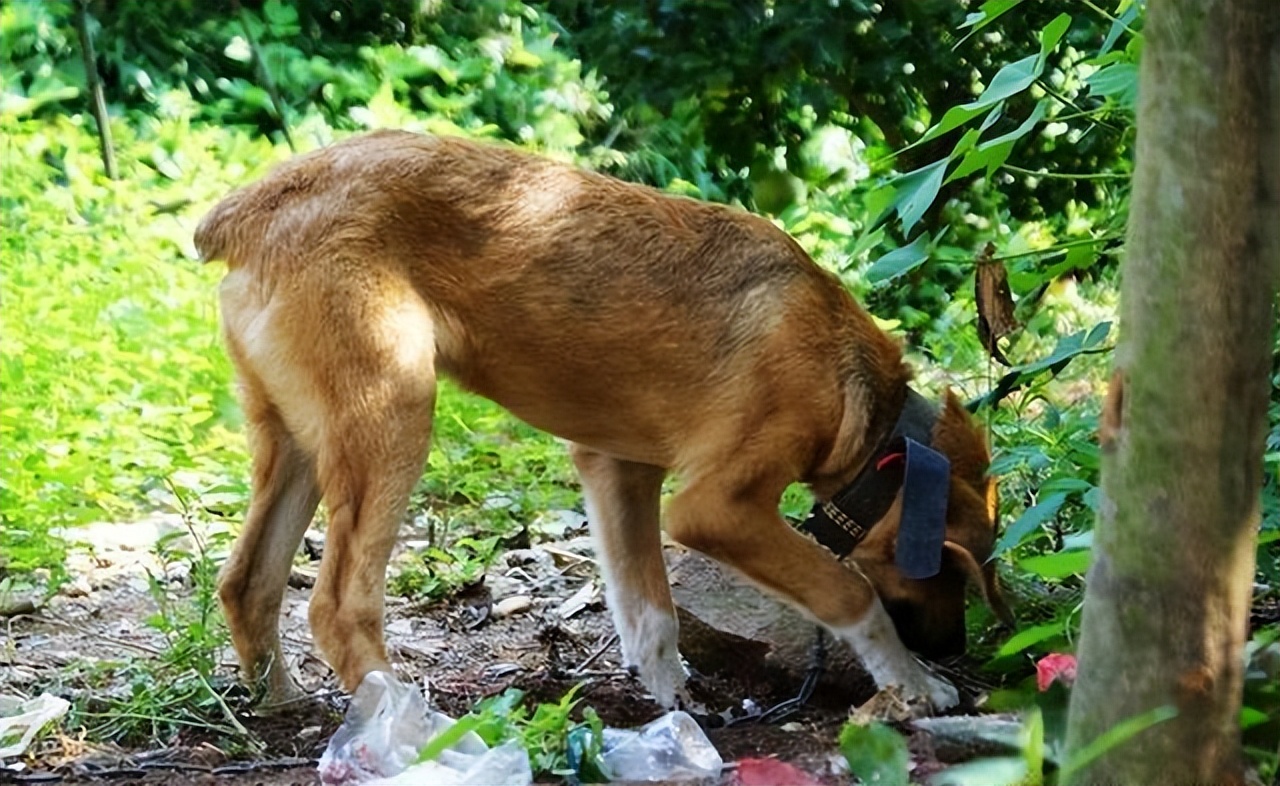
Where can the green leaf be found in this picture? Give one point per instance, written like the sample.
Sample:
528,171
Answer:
1125,14
1118,81
866,242
899,261
988,13
1069,347
1028,637
966,143
1009,81
977,159
1033,752
448,738
879,200
955,117
1050,36
1059,564
996,771
1036,116
996,156
915,192
1250,717
1028,522
876,753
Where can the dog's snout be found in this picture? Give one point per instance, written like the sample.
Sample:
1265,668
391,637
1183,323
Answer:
930,634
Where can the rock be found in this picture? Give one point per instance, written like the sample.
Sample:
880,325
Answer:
728,624
512,605
966,737
78,587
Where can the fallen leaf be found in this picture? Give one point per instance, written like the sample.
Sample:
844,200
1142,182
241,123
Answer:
579,600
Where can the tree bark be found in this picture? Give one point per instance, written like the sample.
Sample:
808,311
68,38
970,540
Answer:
94,83
1167,605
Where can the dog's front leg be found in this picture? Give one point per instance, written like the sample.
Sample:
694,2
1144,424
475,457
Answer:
623,509
889,662
738,524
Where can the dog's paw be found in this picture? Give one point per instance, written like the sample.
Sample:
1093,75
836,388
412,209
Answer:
648,638
274,688
928,693
663,675
942,694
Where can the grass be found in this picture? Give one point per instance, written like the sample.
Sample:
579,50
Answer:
118,395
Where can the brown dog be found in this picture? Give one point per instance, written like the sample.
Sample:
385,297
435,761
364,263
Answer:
656,333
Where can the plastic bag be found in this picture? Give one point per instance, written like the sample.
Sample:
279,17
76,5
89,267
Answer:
20,720
671,748
505,765
387,725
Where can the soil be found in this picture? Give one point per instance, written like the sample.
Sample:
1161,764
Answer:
464,649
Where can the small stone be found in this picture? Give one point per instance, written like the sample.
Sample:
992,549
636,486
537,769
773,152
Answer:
512,605
78,587
309,733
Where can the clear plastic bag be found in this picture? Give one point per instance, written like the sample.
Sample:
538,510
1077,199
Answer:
387,725
671,748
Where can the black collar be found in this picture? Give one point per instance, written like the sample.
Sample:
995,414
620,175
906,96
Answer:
841,523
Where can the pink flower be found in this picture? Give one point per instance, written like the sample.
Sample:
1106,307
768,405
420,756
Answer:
1058,666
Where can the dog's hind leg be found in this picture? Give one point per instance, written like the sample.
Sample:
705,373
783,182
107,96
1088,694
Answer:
374,370
737,523
623,510
252,584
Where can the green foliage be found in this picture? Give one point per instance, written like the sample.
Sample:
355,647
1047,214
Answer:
897,142
149,702
435,573
112,375
876,753
1039,762
545,732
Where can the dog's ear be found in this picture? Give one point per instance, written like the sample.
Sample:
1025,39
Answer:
983,577
962,440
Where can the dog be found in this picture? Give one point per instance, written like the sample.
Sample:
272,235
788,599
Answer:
657,334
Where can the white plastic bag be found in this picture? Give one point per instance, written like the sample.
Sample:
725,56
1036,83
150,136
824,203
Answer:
20,720
387,725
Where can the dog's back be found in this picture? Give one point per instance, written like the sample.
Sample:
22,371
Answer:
564,295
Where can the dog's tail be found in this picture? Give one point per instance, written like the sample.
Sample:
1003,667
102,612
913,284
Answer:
236,229
221,233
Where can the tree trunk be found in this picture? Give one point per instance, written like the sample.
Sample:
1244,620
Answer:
94,83
1167,605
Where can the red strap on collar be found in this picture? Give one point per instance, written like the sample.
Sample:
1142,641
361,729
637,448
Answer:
888,459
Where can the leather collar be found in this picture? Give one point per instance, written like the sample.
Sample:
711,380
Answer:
904,459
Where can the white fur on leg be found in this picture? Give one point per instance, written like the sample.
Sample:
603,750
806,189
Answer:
889,662
649,639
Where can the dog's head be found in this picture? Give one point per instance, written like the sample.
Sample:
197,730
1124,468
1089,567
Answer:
929,614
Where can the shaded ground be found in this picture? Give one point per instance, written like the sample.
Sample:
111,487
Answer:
466,648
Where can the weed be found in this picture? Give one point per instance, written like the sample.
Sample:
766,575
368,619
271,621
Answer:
544,732
179,692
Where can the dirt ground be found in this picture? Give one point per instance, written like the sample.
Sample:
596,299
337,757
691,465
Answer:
467,648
